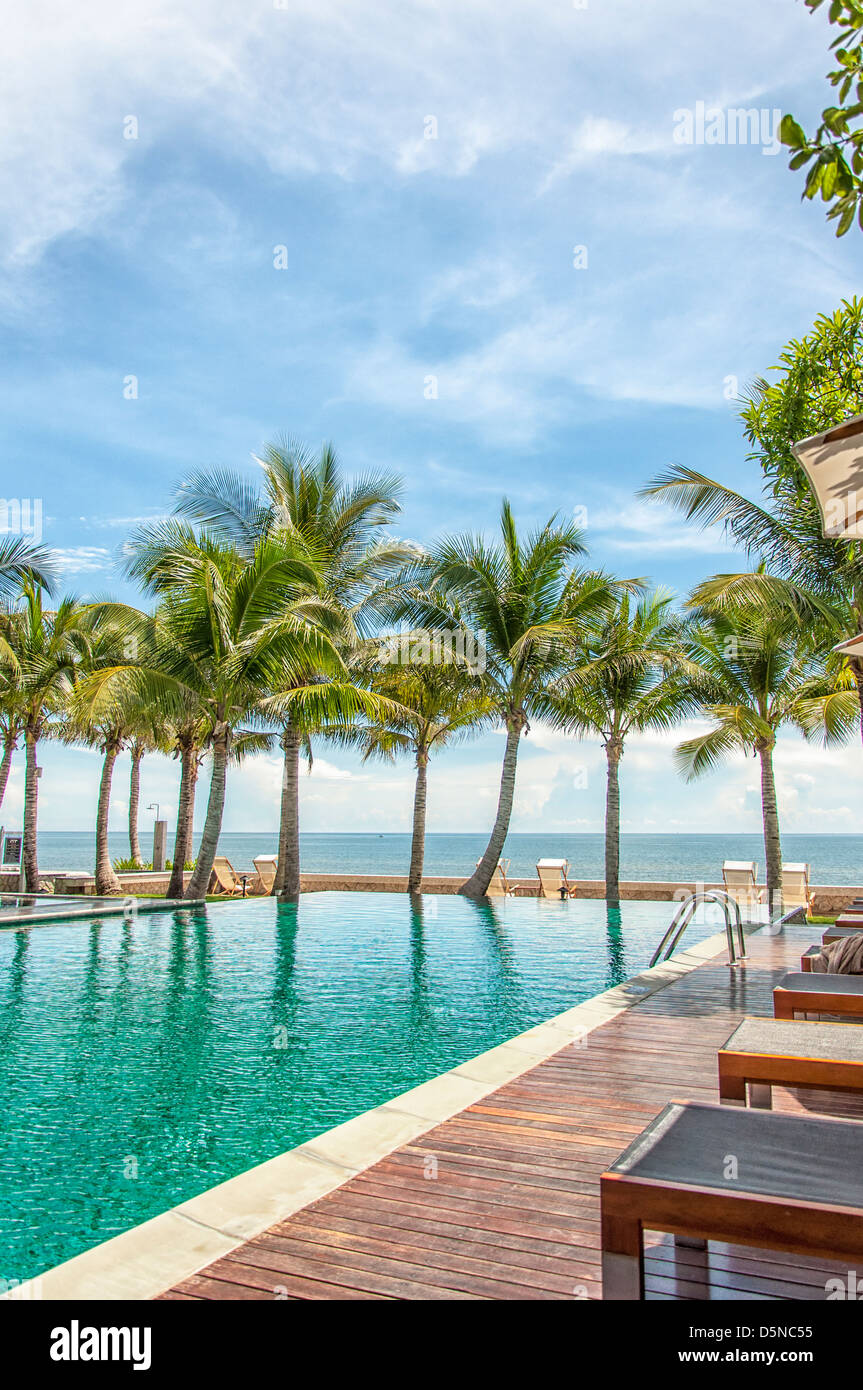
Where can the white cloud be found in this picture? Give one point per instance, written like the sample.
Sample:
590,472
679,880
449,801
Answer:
83,559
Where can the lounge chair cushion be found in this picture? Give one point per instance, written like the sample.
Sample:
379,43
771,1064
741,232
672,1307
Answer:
783,1038
806,983
778,1155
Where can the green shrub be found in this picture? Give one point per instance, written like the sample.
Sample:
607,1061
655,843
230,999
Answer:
128,866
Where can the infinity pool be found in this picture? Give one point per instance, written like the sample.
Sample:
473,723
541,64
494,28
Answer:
142,1062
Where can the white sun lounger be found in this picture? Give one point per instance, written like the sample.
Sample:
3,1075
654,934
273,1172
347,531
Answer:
795,887
553,875
499,886
266,865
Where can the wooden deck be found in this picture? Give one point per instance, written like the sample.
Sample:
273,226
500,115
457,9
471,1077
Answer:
502,1201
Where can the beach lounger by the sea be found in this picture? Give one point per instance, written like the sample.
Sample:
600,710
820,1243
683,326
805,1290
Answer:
553,875
499,886
795,887
849,919
750,1177
767,1052
740,878
225,877
265,865
811,993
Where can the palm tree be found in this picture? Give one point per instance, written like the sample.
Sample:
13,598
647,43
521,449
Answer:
187,734
23,561
120,719
526,605
821,576
230,630
11,712
627,679
435,705
48,647
754,672
306,501
11,729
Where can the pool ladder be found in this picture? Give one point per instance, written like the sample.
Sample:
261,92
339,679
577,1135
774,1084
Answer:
684,915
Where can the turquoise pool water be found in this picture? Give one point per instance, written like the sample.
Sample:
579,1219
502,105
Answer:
141,1062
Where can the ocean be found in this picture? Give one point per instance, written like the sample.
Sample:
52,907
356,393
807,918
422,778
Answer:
833,858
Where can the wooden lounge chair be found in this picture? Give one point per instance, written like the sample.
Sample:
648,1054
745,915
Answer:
499,886
266,865
850,919
795,887
767,1052
836,933
553,875
796,1185
827,938
811,993
225,879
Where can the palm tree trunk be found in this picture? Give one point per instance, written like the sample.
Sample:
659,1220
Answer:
287,880
10,743
613,754
194,769
857,668
415,876
134,801
477,885
200,880
182,841
770,812
29,856
106,879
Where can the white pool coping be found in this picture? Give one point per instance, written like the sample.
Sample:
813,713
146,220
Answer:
150,1258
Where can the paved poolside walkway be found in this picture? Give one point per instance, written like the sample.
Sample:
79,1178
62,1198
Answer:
502,1200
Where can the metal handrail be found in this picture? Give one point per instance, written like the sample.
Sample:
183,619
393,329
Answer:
684,915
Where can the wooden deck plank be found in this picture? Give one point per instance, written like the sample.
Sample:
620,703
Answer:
512,1211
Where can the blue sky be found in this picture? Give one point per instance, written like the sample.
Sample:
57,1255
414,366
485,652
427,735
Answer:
305,127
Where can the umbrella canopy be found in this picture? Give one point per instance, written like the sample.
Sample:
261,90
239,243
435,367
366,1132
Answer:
853,647
833,462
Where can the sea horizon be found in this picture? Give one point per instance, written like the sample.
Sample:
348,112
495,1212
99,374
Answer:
833,858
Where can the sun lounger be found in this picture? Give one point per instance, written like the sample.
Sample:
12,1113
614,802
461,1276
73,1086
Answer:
226,879
719,1172
740,879
812,993
795,887
836,933
767,1052
499,886
266,865
850,919
553,875
828,937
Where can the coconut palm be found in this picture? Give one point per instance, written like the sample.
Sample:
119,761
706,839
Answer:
230,629
11,729
435,705
120,718
23,561
187,733
526,605
754,672
822,577
144,738
628,679
305,500
48,646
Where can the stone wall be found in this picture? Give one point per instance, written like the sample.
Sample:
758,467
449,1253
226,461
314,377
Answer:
829,899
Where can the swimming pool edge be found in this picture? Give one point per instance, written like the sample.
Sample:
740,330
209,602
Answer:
158,1253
